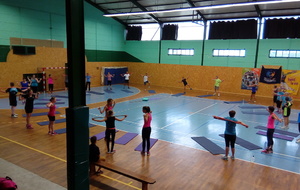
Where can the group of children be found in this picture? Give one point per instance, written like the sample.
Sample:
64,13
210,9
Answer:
110,133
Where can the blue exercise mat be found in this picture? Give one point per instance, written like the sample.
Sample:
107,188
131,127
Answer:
278,136
127,91
294,121
56,121
45,99
283,132
64,130
203,96
151,91
179,94
126,138
235,102
209,145
93,92
246,144
59,96
256,112
109,91
252,107
40,114
44,103
152,142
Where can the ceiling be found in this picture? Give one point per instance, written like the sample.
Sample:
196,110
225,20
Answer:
211,13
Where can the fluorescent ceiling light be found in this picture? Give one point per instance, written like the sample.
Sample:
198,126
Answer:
203,8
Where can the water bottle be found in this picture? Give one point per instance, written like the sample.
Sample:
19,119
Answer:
252,158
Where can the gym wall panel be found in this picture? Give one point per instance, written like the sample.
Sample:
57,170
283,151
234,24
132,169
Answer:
147,51
280,44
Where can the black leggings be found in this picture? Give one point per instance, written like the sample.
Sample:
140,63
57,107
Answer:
146,137
270,133
299,127
230,139
112,133
88,85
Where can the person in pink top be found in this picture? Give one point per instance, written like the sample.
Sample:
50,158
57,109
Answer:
50,84
51,115
146,131
110,104
109,78
270,129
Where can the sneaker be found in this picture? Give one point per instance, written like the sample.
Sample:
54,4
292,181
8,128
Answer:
298,141
225,158
54,133
148,153
128,87
283,127
254,101
265,151
14,115
232,157
218,94
270,150
29,126
49,133
214,94
143,152
98,172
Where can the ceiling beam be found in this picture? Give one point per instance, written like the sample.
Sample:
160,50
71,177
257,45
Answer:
258,11
144,9
104,11
190,2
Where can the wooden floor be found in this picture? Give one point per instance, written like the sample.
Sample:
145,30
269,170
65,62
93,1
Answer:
173,166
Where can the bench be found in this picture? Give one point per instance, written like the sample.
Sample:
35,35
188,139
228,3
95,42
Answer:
138,177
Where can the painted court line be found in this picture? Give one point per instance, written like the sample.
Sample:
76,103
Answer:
188,115
60,159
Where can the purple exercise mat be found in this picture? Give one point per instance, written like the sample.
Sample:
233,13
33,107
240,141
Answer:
278,136
126,138
152,142
101,135
288,133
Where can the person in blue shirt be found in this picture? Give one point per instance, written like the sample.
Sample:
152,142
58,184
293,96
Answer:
13,91
253,91
230,133
88,82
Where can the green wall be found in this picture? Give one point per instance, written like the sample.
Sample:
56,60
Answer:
147,51
45,19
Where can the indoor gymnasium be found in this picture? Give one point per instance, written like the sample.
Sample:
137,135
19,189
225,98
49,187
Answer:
149,94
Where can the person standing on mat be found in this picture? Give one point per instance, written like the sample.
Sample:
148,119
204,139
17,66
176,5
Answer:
50,84
253,91
94,156
13,91
109,79
230,133
88,82
110,104
29,97
146,131
286,111
126,77
34,83
270,129
24,87
110,132
217,85
146,81
280,97
185,83
51,115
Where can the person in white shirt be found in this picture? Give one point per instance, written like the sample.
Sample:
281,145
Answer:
145,77
126,76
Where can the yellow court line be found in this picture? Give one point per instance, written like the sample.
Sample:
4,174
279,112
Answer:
60,159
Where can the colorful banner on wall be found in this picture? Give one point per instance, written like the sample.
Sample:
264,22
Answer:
290,81
249,76
270,75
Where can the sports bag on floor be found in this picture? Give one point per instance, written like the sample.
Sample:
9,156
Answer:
7,184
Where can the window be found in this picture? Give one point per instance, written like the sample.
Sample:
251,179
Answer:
229,53
276,53
188,52
151,32
190,30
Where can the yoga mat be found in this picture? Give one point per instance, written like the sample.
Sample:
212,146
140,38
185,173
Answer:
294,121
234,102
259,112
108,91
56,121
209,145
252,107
179,94
283,132
246,144
203,96
48,99
64,130
127,91
40,107
59,96
44,103
278,136
126,138
152,142
40,114
152,91
101,135
93,92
